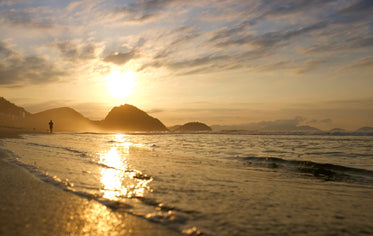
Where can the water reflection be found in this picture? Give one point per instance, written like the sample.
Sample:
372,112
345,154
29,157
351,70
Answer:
117,178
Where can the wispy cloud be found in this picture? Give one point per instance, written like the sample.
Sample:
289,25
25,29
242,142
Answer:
355,11
214,35
76,51
120,58
143,11
362,63
28,18
16,68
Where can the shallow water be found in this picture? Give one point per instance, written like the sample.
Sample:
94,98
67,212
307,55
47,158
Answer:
215,183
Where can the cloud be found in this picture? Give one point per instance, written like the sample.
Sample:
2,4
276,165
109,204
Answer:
209,36
297,67
25,19
4,50
362,63
240,39
305,35
286,7
255,12
74,51
143,11
269,40
355,11
120,58
184,39
16,68
336,44
205,63
10,2
194,65
310,65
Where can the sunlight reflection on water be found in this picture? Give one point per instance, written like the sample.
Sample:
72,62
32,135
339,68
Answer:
118,180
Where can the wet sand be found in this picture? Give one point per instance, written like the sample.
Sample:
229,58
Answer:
12,132
29,206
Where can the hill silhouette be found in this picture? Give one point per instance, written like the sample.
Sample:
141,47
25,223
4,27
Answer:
365,130
122,118
291,126
192,127
338,131
130,118
10,114
64,118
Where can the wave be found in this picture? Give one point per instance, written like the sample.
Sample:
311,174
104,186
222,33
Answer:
325,171
172,217
80,153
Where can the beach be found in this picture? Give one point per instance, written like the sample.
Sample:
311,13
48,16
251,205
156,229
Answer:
28,206
167,184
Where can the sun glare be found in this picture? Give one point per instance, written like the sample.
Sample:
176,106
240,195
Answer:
121,84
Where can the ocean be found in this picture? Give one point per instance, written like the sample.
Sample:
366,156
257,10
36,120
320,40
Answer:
214,184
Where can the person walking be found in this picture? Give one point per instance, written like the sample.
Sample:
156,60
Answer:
50,126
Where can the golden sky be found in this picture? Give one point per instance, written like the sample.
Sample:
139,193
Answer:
219,62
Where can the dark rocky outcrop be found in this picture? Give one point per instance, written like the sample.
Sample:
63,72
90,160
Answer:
130,118
193,127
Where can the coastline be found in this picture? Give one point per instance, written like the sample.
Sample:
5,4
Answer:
11,132
29,206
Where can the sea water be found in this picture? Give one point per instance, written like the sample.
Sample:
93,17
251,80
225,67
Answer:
215,184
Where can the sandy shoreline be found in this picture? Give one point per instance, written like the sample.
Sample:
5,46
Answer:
9,132
29,206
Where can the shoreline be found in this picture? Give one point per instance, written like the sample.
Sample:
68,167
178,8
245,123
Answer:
12,132
29,206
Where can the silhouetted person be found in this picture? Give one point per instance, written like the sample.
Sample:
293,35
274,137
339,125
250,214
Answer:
50,126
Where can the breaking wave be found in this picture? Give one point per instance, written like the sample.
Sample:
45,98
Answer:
80,153
325,171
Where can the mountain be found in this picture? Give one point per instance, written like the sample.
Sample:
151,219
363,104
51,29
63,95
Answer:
122,118
192,127
365,130
306,129
130,118
174,127
64,119
338,131
10,114
293,126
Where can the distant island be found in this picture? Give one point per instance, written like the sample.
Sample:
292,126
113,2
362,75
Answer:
128,118
191,127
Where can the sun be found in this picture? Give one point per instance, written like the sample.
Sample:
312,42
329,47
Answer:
121,84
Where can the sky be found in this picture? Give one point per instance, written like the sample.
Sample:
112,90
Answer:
216,61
